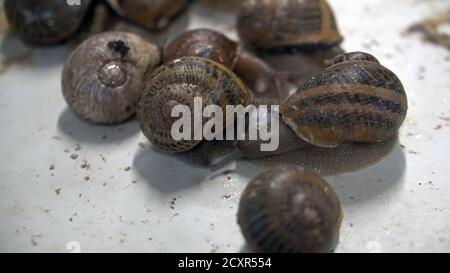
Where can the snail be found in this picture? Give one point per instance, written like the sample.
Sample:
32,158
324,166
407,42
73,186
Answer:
151,14
283,24
203,43
289,210
45,22
179,82
103,77
254,72
356,99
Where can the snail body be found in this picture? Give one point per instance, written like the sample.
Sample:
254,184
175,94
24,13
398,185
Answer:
151,14
45,22
279,24
103,77
203,43
179,82
356,99
289,210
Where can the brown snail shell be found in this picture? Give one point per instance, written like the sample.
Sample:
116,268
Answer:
289,210
179,82
102,79
203,43
279,24
356,99
151,14
45,21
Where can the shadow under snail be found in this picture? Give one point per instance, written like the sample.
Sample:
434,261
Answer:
102,79
280,24
179,82
355,100
151,14
289,210
45,21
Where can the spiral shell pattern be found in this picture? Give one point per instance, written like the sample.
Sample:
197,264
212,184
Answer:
278,24
289,210
103,78
354,100
179,82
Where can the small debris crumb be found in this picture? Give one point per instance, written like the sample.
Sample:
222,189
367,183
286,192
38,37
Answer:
87,178
74,156
78,147
227,196
141,145
127,169
438,127
33,242
85,165
58,191
52,167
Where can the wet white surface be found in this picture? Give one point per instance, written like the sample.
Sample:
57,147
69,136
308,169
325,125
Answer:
401,204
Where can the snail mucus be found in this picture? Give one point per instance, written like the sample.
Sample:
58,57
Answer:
355,100
151,14
289,210
187,82
102,79
45,22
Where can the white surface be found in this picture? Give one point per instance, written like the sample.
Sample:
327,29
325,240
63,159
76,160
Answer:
401,204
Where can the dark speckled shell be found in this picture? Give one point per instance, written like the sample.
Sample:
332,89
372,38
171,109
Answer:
289,210
354,100
180,81
203,43
45,21
275,24
103,77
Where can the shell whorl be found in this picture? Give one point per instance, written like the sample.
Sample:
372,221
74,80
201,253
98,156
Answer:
273,24
103,77
289,210
187,77
44,21
203,43
354,100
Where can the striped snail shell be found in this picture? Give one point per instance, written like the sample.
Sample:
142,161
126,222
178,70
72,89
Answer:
203,43
151,14
279,24
45,21
289,210
356,99
177,83
102,79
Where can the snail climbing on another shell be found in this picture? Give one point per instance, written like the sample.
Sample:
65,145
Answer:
103,78
210,44
151,14
356,99
280,24
289,210
45,21
179,82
